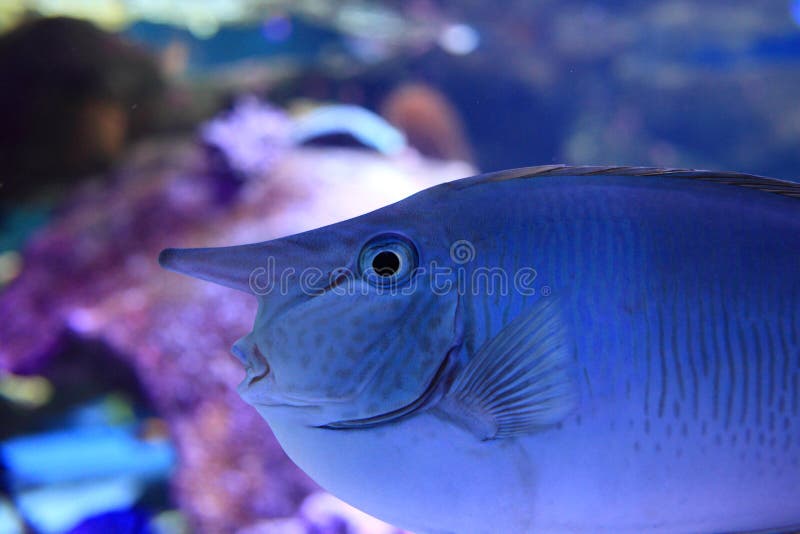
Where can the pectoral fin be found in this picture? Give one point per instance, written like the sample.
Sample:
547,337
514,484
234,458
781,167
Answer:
520,381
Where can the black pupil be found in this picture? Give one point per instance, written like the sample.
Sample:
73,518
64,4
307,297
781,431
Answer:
386,263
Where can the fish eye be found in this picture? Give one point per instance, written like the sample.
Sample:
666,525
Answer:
388,259
386,263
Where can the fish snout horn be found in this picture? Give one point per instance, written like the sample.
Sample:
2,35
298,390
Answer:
231,267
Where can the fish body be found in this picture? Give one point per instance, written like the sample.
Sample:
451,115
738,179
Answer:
576,349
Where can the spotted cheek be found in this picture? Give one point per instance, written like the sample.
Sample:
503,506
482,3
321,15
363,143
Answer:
315,363
345,364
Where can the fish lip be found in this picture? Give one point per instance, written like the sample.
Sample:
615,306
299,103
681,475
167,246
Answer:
253,378
255,363
257,371
246,389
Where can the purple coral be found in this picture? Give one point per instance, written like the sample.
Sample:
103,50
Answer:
251,136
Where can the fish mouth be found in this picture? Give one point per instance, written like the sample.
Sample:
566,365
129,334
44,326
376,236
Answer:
258,367
253,375
255,363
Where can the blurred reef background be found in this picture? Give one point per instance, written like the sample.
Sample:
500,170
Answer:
130,125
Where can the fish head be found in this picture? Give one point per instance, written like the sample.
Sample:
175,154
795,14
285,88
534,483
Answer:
351,324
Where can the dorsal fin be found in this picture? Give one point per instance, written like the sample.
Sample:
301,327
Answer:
760,183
